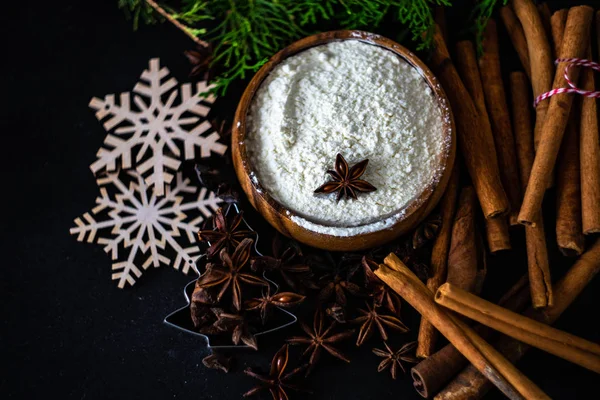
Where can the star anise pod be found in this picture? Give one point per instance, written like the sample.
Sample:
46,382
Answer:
229,274
238,326
277,381
415,259
200,58
320,338
394,359
344,180
225,236
426,231
370,318
265,303
336,312
337,286
288,262
217,361
382,294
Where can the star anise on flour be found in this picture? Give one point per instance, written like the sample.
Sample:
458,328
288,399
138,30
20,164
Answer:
225,235
229,275
265,303
289,263
371,318
345,181
382,294
320,338
277,381
200,58
394,359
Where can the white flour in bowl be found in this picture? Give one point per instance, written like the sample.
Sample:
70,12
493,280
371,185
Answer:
352,98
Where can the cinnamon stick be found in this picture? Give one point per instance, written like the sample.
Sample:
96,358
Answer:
439,16
466,262
540,56
562,344
517,36
590,151
495,100
431,374
574,44
498,238
481,355
439,260
474,137
569,232
544,11
535,238
558,21
466,63
473,385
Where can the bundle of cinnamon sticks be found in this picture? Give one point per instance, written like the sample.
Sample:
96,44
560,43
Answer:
513,153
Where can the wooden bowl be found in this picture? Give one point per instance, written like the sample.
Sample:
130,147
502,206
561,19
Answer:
281,217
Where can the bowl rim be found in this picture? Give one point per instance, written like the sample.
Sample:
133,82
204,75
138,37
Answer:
239,130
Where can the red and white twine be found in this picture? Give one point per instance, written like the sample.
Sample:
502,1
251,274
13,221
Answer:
571,62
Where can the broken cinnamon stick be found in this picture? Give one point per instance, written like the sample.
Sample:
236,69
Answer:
535,238
590,151
517,36
439,260
540,56
495,100
474,137
562,344
466,63
569,232
466,261
481,355
431,374
574,44
470,384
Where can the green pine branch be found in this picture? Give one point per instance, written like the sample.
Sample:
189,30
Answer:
246,33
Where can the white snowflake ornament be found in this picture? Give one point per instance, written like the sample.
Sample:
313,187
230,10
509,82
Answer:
150,137
144,225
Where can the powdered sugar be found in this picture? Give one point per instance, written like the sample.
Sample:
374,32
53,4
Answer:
356,99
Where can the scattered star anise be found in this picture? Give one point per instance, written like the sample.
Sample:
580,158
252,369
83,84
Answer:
265,303
382,294
371,317
225,236
344,180
394,359
229,274
238,326
276,382
336,312
426,231
320,338
200,58
288,262
337,286
217,361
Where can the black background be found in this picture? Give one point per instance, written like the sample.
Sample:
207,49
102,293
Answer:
66,330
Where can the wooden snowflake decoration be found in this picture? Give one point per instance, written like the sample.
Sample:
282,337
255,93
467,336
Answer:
151,136
144,225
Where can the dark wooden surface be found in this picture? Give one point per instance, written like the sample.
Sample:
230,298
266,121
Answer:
66,331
